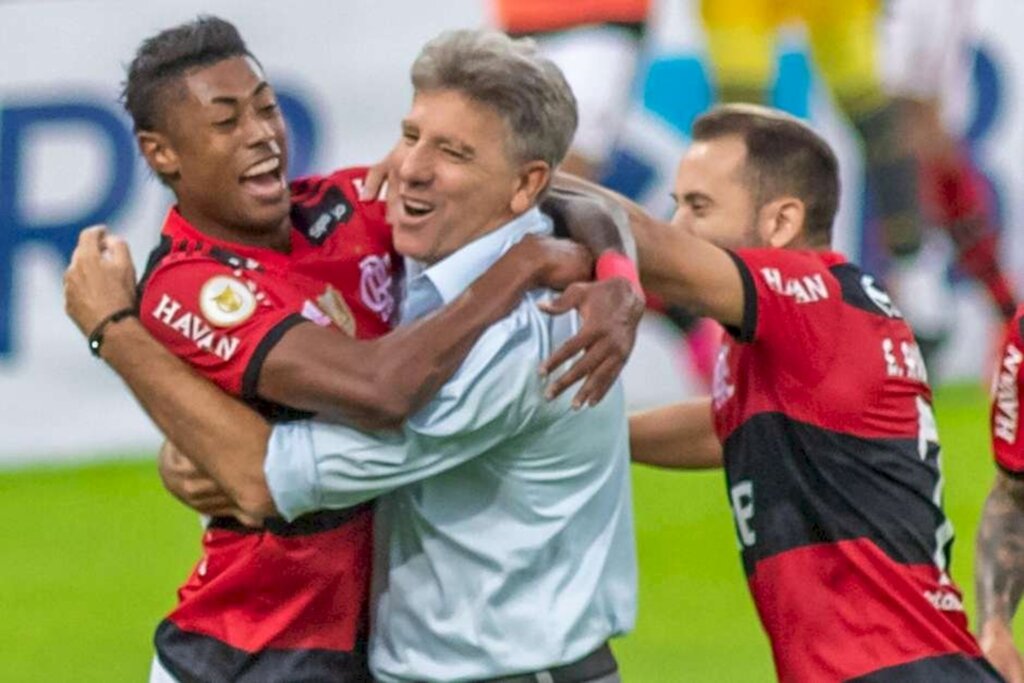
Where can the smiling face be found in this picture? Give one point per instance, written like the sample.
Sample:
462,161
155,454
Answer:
713,199
223,150
452,178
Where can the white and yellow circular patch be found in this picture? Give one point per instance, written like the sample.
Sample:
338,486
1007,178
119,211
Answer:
226,301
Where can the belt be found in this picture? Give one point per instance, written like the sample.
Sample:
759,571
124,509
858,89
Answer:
598,663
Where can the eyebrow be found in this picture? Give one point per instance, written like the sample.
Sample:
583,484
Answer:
232,101
690,197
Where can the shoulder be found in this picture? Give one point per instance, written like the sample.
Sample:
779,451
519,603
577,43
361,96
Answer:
321,204
224,287
499,382
803,275
1017,325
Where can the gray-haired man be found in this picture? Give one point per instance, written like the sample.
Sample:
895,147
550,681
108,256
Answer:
506,545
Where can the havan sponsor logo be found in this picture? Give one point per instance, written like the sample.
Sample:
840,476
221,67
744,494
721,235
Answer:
1007,401
808,289
192,326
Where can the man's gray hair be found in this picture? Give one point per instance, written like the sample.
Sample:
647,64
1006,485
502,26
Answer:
511,76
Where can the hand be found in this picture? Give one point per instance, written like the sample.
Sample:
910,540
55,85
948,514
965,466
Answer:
193,487
997,644
555,263
611,311
100,279
376,177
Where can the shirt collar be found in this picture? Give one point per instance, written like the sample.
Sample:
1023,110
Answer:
430,287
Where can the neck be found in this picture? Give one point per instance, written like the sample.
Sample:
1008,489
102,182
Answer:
276,237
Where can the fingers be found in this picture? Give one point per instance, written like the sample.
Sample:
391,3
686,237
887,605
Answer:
580,369
565,352
563,303
598,368
92,237
375,179
116,250
598,382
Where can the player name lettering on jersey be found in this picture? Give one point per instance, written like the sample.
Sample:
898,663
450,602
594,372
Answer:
192,326
1007,413
805,290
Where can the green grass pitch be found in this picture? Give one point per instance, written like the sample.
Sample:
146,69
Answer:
92,556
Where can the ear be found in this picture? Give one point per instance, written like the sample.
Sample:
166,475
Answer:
533,177
782,222
156,148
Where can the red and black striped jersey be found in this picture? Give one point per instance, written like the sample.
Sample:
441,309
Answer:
822,404
1007,390
289,601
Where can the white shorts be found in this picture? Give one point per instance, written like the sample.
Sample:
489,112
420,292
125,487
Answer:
599,62
158,674
926,52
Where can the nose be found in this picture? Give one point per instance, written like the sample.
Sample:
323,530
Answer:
259,130
414,165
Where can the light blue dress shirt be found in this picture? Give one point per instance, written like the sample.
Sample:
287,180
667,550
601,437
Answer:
505,541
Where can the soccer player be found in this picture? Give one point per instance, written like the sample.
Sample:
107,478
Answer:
261,288
930,81
596,44
999,570
501,505
820,412
894,81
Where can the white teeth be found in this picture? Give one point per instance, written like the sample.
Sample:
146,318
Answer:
271,164
417,205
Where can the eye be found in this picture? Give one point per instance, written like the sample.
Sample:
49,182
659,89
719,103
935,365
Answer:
409,137
699,207
454,153
226,124
268,109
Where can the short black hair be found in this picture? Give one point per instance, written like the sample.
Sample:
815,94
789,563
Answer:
170,54
784,157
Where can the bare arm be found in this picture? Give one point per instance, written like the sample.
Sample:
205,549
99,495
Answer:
597,225
223,436
681,268
227,439
378,383
678,436
999,573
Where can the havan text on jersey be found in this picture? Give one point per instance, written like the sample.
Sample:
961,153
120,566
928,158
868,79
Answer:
193,326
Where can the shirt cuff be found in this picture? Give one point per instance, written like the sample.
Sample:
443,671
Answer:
291,471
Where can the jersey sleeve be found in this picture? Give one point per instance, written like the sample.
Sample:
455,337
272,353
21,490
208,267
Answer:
792,305
223,322
1007,390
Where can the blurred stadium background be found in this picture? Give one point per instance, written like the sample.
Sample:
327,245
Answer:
91,549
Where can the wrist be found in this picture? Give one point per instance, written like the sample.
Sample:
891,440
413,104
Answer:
612,264
527,264
114,336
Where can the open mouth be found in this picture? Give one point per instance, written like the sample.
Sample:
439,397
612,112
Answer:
264,179
415,208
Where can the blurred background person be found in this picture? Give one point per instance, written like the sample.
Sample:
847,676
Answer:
598,45
901,89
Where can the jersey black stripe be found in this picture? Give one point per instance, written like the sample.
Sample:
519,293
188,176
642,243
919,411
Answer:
155,257
812,485
197,658
955,668
275,412
748,327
